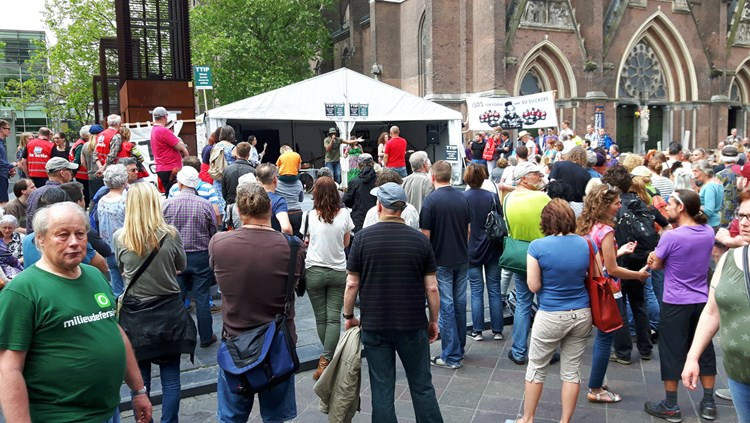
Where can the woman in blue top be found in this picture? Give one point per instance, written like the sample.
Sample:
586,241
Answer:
556,271
483,255
712,192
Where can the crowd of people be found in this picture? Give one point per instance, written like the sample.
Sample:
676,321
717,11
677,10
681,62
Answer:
98,268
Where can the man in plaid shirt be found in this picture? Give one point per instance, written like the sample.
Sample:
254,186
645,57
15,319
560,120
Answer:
194,218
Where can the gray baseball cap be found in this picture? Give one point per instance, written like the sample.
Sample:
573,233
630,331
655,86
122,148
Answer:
390,193
160,112
57,164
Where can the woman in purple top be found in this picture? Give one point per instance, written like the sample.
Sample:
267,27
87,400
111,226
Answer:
684,253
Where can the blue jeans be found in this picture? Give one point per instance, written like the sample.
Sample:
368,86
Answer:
400,170
452,281
657,282
522,317
277,404
169,372
740,399
600,358
115,277
336,170
198,276
476,281
413,348
652,308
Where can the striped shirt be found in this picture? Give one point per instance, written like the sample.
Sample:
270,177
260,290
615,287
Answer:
205,191
664,185
392,260
193,217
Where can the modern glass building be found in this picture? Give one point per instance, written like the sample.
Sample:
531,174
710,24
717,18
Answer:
18,48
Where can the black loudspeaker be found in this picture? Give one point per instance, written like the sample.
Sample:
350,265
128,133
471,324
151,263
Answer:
433,136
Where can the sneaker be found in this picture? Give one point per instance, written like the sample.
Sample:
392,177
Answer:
210,342
616,359
497,336
646,356
660,410
477,336
724,394
514,360
438,362
708,410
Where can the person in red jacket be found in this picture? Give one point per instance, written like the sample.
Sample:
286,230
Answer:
108,144
34,158
82,174
395,153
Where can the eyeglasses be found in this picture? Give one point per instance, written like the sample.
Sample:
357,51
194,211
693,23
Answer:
6,127
739,216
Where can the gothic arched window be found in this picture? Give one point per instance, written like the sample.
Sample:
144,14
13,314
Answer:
531,84
641,75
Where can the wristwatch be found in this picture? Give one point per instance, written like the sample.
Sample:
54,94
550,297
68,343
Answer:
141,391
347,316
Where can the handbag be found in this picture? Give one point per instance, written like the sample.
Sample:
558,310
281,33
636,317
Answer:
495,224
514,253
157,327
265,355
604,310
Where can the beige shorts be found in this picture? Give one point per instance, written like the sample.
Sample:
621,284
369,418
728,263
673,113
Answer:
569,330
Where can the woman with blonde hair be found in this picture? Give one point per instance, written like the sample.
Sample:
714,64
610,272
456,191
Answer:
146,233
597,221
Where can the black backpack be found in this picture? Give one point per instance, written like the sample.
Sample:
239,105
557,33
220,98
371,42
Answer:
635,222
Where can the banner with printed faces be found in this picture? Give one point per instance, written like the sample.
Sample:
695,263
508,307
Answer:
525,112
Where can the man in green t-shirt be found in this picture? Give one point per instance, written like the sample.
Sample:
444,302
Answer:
523,211
63,356
332,144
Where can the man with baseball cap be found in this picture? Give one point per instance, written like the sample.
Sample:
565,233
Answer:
59,171
728,178
194,218
393,268
523,212
168,150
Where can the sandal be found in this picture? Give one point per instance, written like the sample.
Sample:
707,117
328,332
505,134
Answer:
603,397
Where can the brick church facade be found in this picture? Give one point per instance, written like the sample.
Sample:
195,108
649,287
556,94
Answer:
687,61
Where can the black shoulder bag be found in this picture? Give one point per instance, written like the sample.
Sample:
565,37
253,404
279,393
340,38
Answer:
266,355
495,224
302,284
157,327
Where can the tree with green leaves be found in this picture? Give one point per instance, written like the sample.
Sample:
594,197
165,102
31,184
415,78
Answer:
66,68
255,46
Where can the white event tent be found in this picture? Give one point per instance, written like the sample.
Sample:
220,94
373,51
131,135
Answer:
303,112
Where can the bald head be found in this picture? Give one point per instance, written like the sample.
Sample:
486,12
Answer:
395,131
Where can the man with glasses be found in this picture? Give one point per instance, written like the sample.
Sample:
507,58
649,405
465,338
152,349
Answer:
59,171
6,169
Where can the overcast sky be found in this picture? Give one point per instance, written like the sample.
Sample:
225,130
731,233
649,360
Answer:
23,14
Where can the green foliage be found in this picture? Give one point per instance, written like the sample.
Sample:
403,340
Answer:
255,46
68,66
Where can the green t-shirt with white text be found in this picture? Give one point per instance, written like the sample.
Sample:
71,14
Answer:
75,361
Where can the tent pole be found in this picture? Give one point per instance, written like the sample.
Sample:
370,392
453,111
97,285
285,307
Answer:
294,142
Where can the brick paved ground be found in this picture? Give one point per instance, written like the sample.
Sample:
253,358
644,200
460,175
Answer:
489,388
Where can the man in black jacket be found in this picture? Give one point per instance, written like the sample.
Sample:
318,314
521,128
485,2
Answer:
358,196
232,173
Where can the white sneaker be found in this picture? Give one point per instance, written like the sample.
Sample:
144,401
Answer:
477,336
498,336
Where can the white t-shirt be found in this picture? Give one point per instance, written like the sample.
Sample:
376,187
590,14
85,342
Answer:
410,216
326,248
